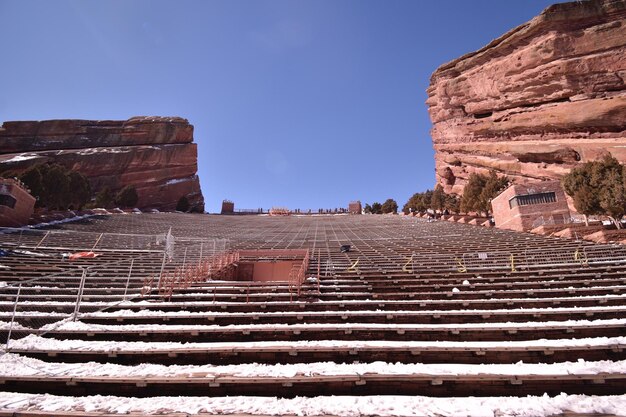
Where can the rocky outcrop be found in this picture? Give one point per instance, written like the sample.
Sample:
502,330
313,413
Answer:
155,154
535,102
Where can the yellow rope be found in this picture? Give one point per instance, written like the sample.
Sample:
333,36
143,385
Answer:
404,268
581,257
462,267
353,267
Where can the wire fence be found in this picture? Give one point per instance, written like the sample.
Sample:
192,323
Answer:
40,305
44,304
542,258
417,262
74,240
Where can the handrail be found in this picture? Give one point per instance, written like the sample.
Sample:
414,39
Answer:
297,274
216,265
184,276
583,255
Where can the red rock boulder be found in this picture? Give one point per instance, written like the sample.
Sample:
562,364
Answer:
154,154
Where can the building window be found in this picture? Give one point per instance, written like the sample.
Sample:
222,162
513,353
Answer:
528,199
7,200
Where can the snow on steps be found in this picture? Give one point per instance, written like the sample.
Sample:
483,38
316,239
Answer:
38,343
597,377
33,343
348,406
145,314
356,313
80,327
420,303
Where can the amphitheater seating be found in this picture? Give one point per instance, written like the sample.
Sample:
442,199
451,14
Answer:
410,293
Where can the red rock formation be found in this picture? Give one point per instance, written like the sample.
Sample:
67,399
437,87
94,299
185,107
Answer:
155,154
535,102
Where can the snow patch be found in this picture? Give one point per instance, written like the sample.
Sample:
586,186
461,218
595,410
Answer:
14,365
92,151
177,180
6,325
347,406
21,157
37,343
69,219
78,326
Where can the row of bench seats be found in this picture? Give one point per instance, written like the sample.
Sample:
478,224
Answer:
400,283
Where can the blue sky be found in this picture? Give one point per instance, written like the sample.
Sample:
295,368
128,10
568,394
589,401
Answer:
303,104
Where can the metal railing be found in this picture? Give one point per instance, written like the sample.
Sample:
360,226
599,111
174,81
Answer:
184,275
542,258
74,240
222,266
42,304
297,274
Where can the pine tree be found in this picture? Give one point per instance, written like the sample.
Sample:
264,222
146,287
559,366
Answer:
389,206
418,203
438,198
494,185
480,190
80,189
127,197
453,203
586,185
56,187
471,193
612,196
104,199
33,180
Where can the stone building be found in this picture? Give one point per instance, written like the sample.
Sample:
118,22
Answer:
354,207
523,207
228,207
16,203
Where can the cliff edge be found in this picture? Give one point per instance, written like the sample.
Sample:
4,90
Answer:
535,102
155,154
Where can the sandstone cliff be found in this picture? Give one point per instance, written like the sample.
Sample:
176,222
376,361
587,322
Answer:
155,154
535,102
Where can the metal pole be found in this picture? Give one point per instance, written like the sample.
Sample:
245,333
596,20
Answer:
17,298
200,259
184,258
80,294
162,268
42,239
319,265
130,270
97,241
